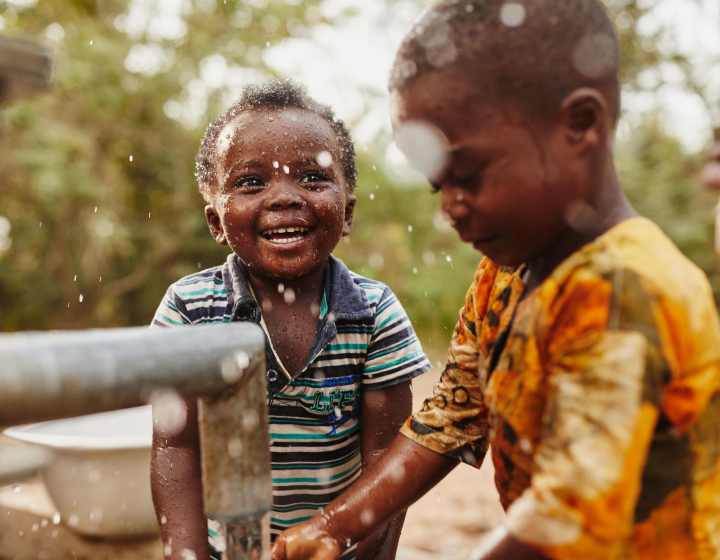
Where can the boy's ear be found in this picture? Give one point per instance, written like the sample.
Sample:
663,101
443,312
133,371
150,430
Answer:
349,213
586,117
215,225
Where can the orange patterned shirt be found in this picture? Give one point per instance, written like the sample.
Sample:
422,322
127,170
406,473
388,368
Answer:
599,393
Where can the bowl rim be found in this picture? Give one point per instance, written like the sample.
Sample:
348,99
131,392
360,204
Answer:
77,442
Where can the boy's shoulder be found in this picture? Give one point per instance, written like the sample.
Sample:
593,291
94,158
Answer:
376,292
635,278
197,298
637,249
201,285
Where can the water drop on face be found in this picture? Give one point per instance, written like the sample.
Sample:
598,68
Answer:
512,15
286,169
324,159
276,164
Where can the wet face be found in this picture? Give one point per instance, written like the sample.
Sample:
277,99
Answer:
506,182
278,200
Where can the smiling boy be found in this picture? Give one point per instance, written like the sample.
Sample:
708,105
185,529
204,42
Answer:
587,355
277,171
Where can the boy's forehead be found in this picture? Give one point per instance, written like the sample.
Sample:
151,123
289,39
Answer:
449,101
300,128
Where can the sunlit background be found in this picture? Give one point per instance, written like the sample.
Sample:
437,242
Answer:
99,210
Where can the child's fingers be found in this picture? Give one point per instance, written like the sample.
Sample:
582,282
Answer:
711,172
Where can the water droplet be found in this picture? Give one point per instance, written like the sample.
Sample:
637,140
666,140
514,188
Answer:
437,495
424,146
234,448
372,196
289,296
512,15
56,518
367,517
324,159
448,258
275,163
409,228
169,411
81,298
131,158
286,169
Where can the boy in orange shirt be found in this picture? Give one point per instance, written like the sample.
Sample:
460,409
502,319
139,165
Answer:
588,350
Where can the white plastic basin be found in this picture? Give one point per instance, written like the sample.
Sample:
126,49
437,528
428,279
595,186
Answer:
100,477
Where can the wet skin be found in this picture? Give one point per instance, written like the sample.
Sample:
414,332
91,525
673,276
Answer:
251,200
512,186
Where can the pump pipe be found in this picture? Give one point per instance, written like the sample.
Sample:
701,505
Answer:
45,376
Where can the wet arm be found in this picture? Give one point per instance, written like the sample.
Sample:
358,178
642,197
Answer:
404,473
382,412
177,489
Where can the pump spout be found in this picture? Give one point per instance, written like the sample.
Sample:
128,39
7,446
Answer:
46,376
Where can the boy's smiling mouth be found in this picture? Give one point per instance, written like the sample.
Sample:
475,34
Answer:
285,235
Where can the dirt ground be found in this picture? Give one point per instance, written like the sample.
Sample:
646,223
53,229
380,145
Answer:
444,525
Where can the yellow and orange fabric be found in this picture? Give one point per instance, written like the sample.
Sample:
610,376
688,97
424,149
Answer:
599,394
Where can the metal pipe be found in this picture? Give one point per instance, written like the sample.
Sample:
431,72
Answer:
235,448
54,375
45,376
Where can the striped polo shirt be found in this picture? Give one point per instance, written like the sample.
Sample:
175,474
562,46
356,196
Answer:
364,341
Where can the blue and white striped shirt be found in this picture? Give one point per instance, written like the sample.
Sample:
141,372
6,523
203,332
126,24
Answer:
364,341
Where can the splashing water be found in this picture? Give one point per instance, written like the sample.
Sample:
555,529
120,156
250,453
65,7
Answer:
425,147
513,15
324,159
169,412
289,296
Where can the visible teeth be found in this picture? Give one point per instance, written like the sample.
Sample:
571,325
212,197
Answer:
287,230
286,240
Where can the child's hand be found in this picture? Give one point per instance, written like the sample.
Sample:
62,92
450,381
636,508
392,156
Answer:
307,541
711,173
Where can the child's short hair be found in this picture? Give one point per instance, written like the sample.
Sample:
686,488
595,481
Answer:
533,51
280,94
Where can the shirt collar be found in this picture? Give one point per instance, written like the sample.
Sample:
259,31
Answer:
345,299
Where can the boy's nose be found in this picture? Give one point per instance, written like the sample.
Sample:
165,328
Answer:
283,194
454,203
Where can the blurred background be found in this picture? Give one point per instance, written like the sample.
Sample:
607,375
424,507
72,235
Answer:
99,209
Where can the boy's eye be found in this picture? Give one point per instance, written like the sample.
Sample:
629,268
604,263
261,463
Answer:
249,182
313,177
467,181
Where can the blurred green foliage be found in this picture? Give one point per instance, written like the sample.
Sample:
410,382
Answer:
88,219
